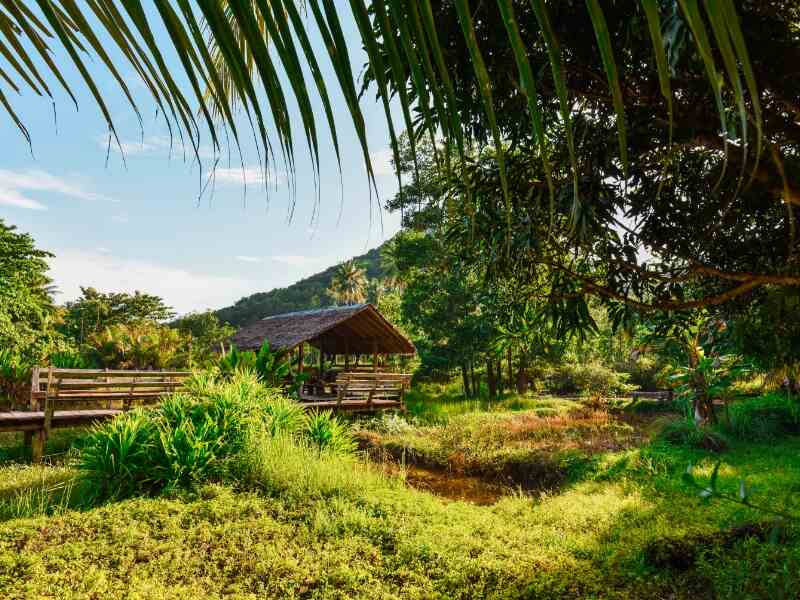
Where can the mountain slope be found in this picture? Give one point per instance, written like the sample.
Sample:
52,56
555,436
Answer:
305,294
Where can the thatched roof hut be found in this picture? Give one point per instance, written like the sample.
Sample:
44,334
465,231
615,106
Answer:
357,329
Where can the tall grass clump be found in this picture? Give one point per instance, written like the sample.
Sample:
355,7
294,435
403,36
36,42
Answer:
325,431
686,433
766,417
299,470
32,491
205,433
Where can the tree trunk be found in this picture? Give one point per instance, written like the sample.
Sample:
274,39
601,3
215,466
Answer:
499,371
465,379
476,380
491,381
522,375
510,370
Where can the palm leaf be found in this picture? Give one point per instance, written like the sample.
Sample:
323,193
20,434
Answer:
468,28
256,40
610,64
529,89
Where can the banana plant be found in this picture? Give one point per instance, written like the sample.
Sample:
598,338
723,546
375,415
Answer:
708,378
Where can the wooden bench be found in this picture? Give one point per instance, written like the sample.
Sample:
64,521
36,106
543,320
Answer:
661,395
71,397
367,391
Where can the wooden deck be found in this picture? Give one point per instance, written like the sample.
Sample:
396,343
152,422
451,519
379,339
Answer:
18,420
328,403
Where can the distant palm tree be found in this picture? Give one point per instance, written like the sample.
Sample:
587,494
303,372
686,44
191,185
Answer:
349,284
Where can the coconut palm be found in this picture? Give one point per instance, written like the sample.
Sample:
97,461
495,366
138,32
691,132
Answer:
349,283
239,34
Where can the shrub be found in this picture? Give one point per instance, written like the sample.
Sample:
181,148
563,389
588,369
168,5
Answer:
765,417
69,360
592,379
685,432
117,456
284,416
15,378
325,431
191,437
205,433
141,345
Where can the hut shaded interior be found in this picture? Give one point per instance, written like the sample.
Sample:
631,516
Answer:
357,329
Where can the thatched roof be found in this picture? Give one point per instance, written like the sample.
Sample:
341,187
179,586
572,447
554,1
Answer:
357,329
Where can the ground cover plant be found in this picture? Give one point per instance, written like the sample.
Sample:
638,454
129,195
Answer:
311,523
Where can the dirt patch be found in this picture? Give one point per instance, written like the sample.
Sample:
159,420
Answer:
454,475
449,485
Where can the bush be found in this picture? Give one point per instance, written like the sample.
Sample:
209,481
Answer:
766,417
325,431
591,379
685,432
69,360
205,433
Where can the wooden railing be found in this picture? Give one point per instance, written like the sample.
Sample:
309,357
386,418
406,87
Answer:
69,397
374,389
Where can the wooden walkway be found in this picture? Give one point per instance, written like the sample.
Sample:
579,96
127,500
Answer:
27,420
328,403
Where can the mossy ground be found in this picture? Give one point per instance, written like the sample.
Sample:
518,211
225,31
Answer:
337,528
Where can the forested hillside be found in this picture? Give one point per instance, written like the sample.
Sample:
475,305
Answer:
305,294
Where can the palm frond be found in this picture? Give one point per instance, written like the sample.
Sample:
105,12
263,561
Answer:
254,56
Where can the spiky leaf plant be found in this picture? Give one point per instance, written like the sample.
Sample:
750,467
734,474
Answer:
326,432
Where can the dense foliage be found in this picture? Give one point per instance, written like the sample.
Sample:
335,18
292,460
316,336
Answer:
27,310
201,435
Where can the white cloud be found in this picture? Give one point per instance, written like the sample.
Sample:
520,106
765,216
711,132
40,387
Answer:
249,175
250,259
13,183
182,289
15,198
382,162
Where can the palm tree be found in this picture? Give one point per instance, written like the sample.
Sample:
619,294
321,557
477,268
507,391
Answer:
239,34
349,283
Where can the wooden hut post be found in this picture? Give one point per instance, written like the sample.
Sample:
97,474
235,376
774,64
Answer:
300,358
374,356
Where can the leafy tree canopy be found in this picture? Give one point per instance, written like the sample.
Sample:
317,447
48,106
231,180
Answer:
94,311
26,307
676,217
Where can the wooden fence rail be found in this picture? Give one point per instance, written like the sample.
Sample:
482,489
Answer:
72,397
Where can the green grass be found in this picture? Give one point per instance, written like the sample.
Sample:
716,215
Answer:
56,448
339,529
434,403
302,521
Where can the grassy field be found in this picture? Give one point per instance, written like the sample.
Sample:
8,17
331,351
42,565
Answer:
614,520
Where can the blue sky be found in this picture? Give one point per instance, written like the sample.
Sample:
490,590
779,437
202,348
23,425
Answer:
141,227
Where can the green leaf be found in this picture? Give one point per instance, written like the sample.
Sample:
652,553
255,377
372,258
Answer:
485,86
695,21
687,476
610,64
529,89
